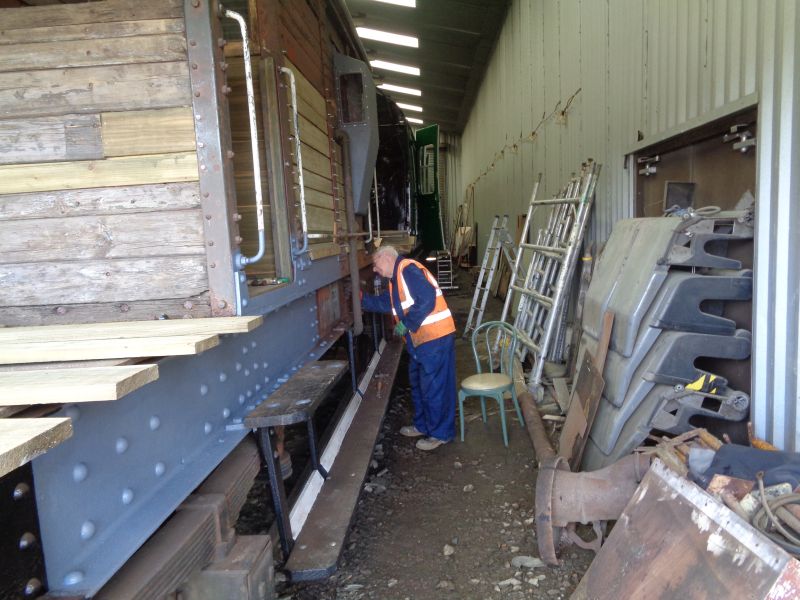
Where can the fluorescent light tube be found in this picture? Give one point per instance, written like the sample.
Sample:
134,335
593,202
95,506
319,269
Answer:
390,66
389,38
400,89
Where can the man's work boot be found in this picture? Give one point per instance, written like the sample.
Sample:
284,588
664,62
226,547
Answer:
429,443
410,431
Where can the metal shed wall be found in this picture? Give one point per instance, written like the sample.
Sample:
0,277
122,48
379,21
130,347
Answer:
646,70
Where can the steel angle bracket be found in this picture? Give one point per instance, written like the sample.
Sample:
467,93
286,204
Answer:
131,462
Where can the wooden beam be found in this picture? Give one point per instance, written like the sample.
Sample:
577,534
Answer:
88,384
180,345
88,32
48,139
129,170
22,440
157,131
101,201
93,52
94,89
92,12
130,329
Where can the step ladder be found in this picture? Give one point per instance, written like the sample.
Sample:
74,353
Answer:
444,270
543,270
499,243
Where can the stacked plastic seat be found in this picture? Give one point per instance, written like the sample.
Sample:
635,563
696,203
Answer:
668,281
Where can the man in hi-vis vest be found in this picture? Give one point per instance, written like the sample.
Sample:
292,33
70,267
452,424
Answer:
423,319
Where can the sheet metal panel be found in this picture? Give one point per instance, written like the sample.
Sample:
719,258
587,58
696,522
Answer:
651,67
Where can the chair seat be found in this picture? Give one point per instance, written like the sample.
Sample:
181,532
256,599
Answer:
484,382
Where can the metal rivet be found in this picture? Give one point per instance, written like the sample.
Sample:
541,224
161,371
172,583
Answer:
249,393
244,350
121,445
238,366
33,587
212,265
192,43
223,377
258,387
188,305
194,66
80,472
159,469
253,344
197,94
222,304
196,3
21,491
127,496
255,366
211,242
207,427
230,153
61,310
26,540
238,239
245,302
203,389
226,413
87,530
247,372
155,423
202,145
241,398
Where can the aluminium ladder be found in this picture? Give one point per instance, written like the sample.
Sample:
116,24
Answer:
500,242
444,270
539,290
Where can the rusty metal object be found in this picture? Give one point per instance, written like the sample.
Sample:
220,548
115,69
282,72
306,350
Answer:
535,426
564,498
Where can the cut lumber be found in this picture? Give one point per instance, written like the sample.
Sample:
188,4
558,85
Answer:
159,131
22,440
55,386
129,329
28,352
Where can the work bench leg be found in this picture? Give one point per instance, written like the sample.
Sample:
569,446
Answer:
279,500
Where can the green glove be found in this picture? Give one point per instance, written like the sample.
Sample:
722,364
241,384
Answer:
400,329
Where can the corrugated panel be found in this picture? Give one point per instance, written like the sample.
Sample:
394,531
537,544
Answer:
776,327
647,67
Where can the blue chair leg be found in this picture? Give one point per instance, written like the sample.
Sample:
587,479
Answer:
483,408
461,397
516,406
501,401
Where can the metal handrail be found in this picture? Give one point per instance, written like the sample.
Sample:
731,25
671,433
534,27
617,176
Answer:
377,202
299,154
241,260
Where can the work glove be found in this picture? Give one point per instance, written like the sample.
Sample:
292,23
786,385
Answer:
400,329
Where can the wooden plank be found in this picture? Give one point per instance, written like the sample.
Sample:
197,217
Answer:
115,280
320,541
315,198
179,345
22,440
93,52
92,12
674,540
297,399
100,201
47,139
92,31
308,94
319,219
127,170
104,236
94,89
314,181
197,306
561,393
56,386
130,329
313,136
314,161
319,251
157,131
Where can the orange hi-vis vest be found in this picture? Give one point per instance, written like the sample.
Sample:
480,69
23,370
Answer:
439,322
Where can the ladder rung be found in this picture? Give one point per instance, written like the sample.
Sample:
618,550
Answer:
556,251
551,201
535,295
522,337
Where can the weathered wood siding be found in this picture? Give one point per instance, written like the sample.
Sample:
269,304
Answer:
100,213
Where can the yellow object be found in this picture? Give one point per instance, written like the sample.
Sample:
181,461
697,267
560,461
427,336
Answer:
703,384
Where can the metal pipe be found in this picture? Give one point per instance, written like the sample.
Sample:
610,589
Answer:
240,260
377,202
369,221
535,426
355,280
299,154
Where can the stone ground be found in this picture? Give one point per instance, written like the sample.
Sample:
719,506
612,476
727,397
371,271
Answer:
451,523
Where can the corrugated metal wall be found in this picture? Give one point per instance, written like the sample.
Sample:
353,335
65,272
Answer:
649,69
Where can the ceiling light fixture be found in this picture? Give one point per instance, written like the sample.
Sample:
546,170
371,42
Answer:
400,89
390,66
413,120
413,107
389,38
406,3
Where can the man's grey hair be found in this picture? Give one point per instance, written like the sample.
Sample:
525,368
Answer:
389,251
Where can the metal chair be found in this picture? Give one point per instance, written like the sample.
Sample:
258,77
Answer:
499,339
